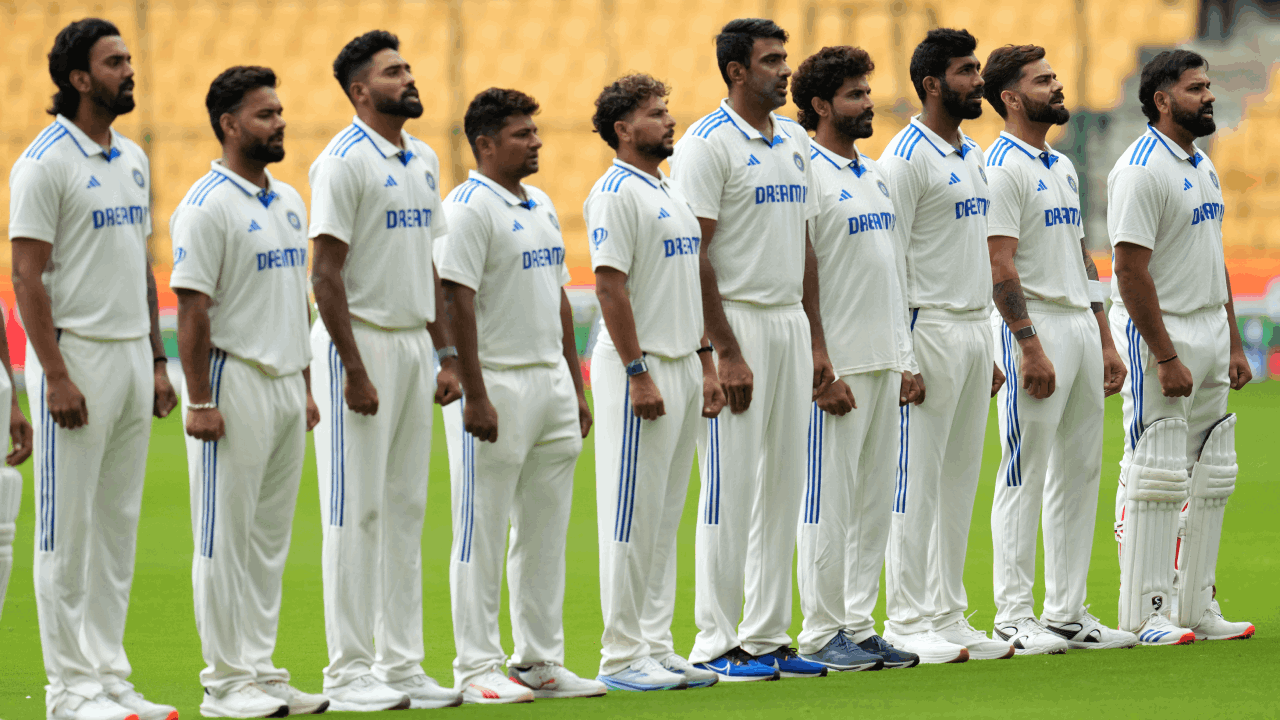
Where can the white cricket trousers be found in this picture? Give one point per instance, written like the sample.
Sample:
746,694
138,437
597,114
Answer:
642,478
244,488
844,519
88,498
1203,343
1050,462
373,500
752,469
523,481
939,461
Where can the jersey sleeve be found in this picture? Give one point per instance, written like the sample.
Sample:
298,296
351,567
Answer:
439,223
146,168
464,251
1134,207
611,231
812,206
1005,188
335,196
697,168
905,189
34,199
199,246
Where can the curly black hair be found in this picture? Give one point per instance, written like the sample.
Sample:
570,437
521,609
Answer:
933,55
228,90
822,74
71,52
620,99
1004,69
488,112
1161,73
357,54
738,37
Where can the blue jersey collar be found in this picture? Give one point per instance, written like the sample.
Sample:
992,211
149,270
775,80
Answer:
503,193
1175,149
263,195
87,145
748,130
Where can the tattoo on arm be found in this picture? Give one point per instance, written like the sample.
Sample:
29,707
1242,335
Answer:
1009,299
1091,272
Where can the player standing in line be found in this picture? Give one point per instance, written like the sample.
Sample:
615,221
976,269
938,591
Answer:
745,172
1059,362
653,379
844,521
514,442
240,273
939,191
1175,326
375,211
10,479
80,215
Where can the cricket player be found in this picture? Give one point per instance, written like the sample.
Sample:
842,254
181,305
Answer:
516,438
20,436
939,191
240,274
1176,329
747,175
1055,348
375,212
653,379
853,426
80,216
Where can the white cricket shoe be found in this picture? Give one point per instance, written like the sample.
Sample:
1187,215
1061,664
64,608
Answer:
695,676
146,710
980,646
1160,630
1029,637
1088,633
74,707
426,694
932,648
246,701
300,703
1213,626
643,675
364,694
550,679
494,688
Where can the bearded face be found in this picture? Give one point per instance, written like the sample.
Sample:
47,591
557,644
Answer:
959,105
117,102
1039,112
1198,121
408,104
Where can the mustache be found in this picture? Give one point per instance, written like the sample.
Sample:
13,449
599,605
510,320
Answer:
126,85
1207,107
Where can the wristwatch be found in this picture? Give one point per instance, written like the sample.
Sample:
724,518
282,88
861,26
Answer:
446,352
1024,333
637,367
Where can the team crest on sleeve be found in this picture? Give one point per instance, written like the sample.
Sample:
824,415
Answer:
883,188
179,254
983,173
294,220
431,180
799,161
138,178
598,236
1214,177
1072,182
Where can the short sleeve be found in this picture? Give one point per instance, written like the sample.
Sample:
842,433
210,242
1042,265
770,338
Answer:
146,165
904,189
464,251
1005,215
34,199
697,169
611,231
440,223
335,195
812,204
199,246
1133,207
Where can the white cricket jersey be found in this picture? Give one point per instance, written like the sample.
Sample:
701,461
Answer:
384,203
1161,198
860,267
642,225
940,195
246,248
93,205
757,191
1035,199
509,251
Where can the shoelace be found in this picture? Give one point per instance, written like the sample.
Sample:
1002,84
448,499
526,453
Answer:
738,656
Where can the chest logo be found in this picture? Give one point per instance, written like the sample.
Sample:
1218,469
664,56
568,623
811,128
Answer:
954,179
844,195
431,180
752,160
1214,177
138,178
294,220
1041,186
883,188
598,236
1186,184
93,183
517,227
1072,182
254,226
798,160
663,214
391,182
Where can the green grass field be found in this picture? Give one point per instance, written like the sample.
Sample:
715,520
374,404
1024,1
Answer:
1227,679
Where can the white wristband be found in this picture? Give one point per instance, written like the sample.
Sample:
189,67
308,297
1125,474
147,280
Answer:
1097,293
202,406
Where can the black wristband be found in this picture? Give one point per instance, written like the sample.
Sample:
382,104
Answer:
707,348
1168,359
159,359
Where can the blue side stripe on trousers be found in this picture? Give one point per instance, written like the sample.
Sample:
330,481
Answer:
813,486
1013,434
904,450
1136,382
467,508
711,513
209,458
48,496
337,440
627,470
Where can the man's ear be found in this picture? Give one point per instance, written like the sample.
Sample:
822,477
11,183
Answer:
81,81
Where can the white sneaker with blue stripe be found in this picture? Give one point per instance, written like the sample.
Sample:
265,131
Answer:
643,675
1160,630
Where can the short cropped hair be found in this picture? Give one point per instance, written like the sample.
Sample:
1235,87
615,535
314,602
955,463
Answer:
822,74
933,55
1004,69
488,112
228,90
357,54
622,98
1161,73
71,52
737,39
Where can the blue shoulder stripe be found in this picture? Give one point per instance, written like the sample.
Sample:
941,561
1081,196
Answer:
41,138
709,127
908,147
698,126
1151,146
38,152
355,140
613,180
1142,150
199,200
342,139
199,187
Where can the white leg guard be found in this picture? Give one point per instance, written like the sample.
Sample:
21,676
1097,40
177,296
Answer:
1213,479
10,502
1155,488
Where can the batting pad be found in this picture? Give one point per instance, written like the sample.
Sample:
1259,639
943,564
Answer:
1213,479
1155,488
10,501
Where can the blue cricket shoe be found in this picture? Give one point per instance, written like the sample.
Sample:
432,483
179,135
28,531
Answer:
893,657
737,666
841,654
789,664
